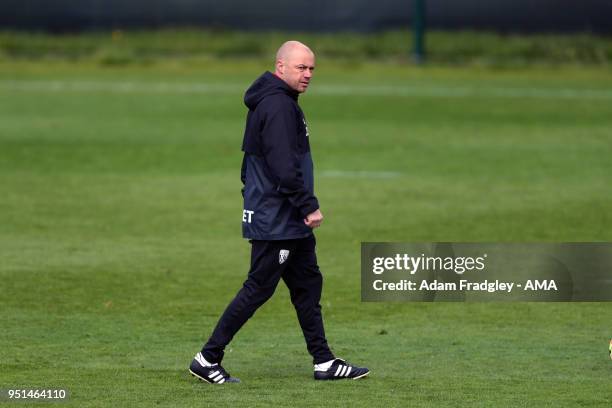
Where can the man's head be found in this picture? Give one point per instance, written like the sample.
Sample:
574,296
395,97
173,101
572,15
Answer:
295,64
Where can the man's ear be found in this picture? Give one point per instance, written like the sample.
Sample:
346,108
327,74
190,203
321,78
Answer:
280,67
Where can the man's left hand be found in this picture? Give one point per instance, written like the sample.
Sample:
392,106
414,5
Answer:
314,219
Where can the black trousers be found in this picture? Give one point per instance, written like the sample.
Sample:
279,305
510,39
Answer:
270,262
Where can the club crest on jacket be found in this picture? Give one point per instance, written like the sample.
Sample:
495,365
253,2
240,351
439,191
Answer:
283,255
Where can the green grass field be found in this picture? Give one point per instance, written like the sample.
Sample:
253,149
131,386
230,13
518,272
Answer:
120,235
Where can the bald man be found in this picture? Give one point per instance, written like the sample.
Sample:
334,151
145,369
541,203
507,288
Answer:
279,216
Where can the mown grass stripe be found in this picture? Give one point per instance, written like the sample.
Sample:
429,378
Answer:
362,90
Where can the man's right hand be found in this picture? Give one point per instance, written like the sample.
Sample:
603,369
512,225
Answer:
314,219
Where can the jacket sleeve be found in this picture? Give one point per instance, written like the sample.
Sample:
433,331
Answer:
280,150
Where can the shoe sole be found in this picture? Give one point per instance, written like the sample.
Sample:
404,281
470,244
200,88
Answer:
343,378
361,376
199,377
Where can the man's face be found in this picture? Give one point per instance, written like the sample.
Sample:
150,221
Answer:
297,69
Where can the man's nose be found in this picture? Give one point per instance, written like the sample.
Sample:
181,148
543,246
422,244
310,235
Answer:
307,73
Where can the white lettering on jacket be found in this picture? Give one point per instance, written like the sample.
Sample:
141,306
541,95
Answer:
247,216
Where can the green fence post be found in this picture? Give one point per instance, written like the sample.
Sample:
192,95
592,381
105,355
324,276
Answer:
418,26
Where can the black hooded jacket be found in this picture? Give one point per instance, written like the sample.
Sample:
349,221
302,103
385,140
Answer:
277,169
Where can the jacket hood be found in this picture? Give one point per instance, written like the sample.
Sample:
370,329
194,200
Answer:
267,84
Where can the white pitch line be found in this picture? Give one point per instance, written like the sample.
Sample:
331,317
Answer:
117,87
334,90
465,92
